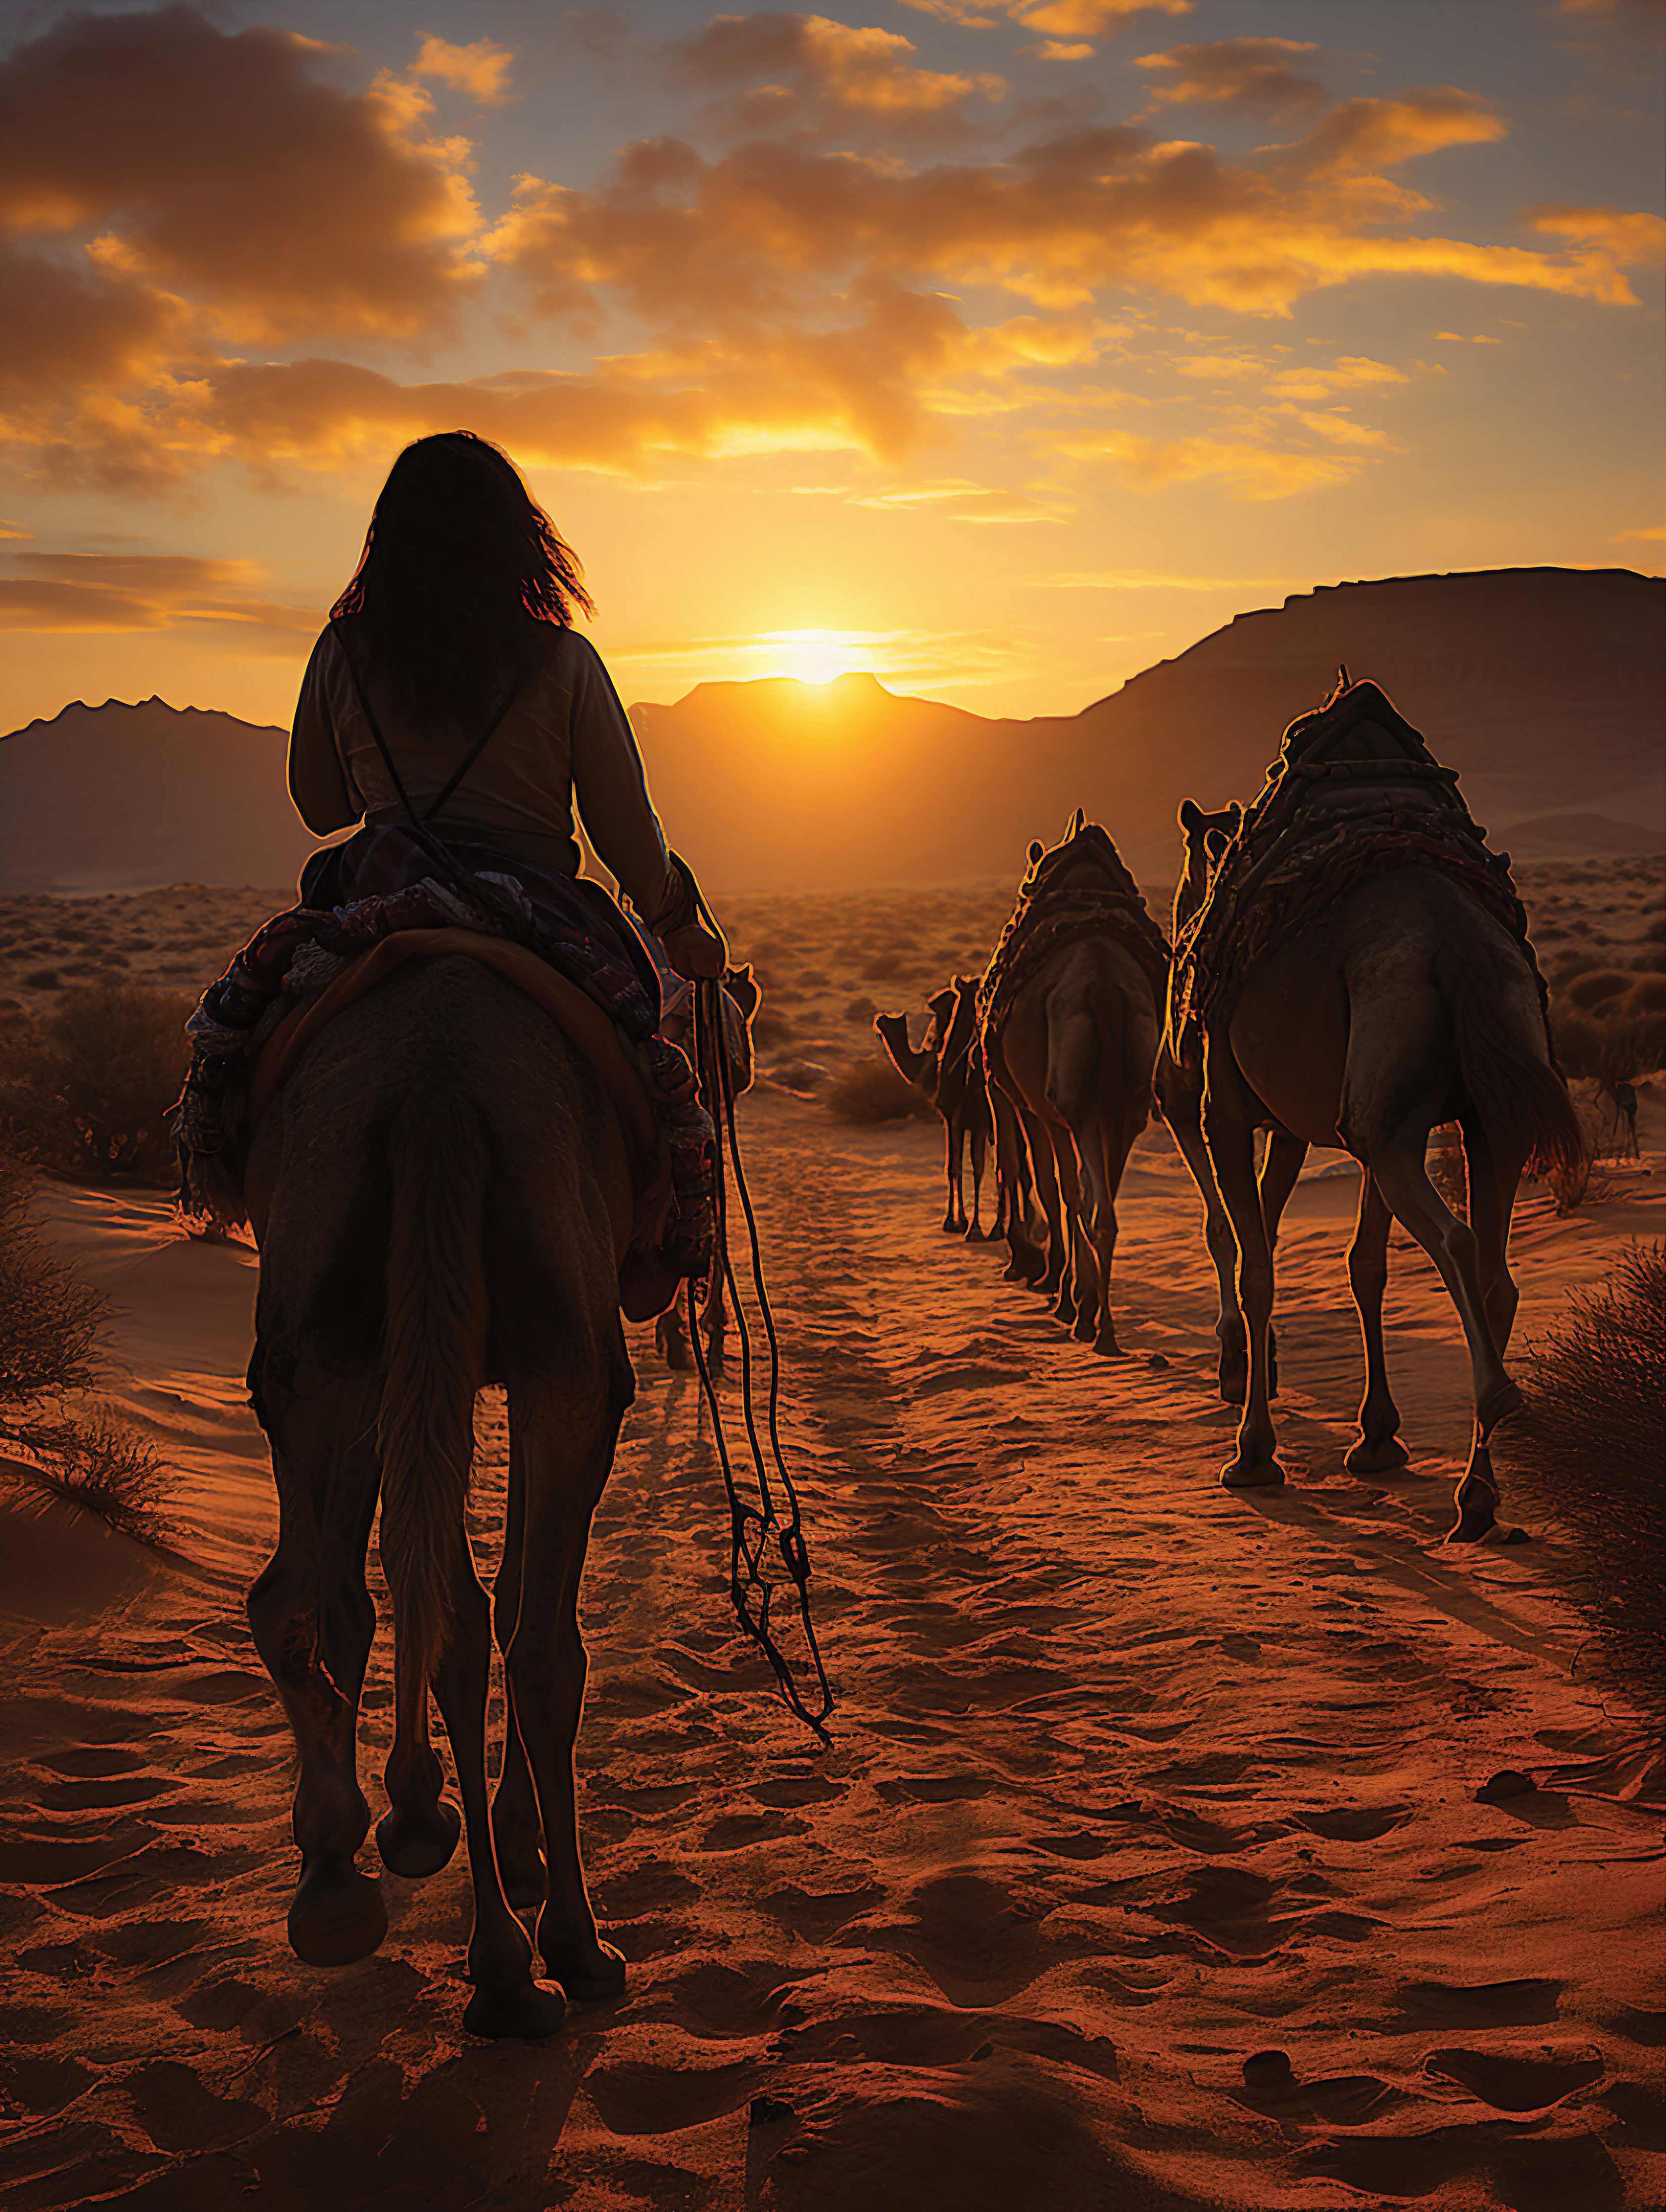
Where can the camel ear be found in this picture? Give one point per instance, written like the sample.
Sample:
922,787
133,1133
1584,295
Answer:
1190,817
1236,810
1078,822
1036,848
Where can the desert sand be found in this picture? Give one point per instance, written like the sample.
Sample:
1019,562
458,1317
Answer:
1159,1860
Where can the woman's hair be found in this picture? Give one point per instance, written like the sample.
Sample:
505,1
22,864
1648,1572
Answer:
457,559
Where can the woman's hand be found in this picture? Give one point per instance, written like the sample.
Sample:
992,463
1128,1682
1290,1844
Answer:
696,951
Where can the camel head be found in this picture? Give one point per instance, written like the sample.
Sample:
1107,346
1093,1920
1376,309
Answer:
942,1003
744,987
919,1068
1207,836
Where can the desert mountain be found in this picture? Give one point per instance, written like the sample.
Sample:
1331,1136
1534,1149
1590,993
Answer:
1545,687
119,797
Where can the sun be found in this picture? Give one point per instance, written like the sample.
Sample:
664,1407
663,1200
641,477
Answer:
814,656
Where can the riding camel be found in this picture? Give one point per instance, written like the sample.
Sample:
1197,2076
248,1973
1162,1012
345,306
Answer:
742,995
948,1070
1072,1011
1381,983
442,1197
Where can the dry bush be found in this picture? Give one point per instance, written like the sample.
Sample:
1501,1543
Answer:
871,1090
49,1318
1595,986
85,1089
1647,995
882,967
771,1030
1592,1444
49,1325
1449,1172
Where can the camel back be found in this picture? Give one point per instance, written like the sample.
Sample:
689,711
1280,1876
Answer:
1052,915
1290,861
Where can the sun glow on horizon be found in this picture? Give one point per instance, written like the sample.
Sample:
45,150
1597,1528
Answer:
814,656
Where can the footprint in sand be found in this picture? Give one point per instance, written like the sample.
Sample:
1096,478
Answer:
1528,2003
1354,1824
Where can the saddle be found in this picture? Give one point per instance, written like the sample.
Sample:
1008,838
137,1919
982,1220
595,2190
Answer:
1051,914
1292,858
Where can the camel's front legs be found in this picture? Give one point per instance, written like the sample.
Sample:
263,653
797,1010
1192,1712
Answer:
1379,1448
568,1453
1279,1172
313,1622
517,1832
1051,1281
954,1139
1398,1168
1232,1371
1027,1263
979,1141
1230,1136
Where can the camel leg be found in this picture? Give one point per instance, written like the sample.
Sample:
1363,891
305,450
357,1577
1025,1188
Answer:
517,1832
671,1339
418,1834
1279,1169
951,1222
714,1318
1232,1371
1451,1244
1047,1189
313,1622
1493,1178
1229,1132
1379,1448
568,1462
980,1146
1027,1263
1077,1305
1115,1159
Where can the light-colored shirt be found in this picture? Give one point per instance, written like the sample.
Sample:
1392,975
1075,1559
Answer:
565,736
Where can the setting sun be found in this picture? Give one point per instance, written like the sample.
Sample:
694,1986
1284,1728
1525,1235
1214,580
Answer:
814,656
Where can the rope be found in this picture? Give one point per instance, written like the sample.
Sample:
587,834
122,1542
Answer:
750,1526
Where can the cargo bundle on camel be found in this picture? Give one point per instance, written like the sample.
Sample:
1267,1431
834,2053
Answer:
1351,968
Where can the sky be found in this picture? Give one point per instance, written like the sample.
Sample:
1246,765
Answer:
1002,347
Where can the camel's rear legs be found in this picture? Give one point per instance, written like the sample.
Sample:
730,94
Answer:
954,1142
978,1140
1379,1448
313,1622
564,1456
1397,1166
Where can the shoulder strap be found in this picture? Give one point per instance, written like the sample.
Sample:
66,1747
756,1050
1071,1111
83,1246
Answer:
419,821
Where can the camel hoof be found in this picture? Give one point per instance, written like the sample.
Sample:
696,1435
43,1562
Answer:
527,2013
338,1915
418,1841
1367,1458
1251,1474
588,1970
1476,1516
1085,1331
1107,1348
950,1226
977,1235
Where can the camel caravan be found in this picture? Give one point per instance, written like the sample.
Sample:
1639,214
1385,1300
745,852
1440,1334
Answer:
1348,967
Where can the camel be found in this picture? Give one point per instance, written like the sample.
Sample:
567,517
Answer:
1071,1055
1403,1003
947,1070
1178,1085
742,997
441,1195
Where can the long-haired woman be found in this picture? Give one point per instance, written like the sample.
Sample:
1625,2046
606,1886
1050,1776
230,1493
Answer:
450,699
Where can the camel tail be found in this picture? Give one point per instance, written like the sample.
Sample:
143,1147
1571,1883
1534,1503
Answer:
1521,1101
433,1343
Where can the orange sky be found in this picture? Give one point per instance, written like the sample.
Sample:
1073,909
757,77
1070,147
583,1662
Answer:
1003,349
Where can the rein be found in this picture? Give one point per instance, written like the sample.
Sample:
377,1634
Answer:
751,1526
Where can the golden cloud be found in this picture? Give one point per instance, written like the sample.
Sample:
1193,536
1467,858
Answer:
837,76
481,71
1247,77
1246,469
86,593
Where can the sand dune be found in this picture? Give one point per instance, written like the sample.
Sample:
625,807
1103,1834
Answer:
1155,1863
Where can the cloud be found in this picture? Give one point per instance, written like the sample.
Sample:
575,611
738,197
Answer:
214,172
86,593
1246,76
837,77
1608,234
963,502
1348,371
482,70
1653,535
1633,19
1246,470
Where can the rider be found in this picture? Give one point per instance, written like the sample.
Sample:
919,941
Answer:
450,685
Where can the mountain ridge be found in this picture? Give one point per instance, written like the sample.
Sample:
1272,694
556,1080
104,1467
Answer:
1545,687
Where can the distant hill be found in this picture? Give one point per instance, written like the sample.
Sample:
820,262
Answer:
1545,687
119,797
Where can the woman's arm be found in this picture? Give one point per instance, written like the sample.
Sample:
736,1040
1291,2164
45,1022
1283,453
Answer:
618,817
317,784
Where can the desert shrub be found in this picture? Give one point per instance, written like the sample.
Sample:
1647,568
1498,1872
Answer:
1655,933
871,1090
1591,1445
49,1318
42,979
84,1090
49,1326
1577,1039
771,1030
1447,1171
1647,995
1595,986
882,967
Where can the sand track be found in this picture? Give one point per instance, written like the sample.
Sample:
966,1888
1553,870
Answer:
1137,1786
